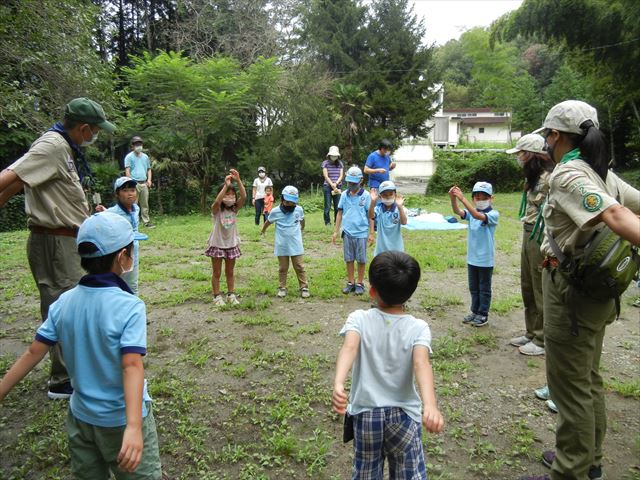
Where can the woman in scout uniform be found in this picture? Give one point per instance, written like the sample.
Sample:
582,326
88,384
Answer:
583,195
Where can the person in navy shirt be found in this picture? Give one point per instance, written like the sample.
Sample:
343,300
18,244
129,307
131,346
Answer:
379,165
483,220
101,328
387,211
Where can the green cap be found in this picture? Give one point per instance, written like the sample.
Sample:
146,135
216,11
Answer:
87,111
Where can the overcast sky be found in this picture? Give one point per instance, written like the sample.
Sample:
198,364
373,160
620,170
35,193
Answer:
447,19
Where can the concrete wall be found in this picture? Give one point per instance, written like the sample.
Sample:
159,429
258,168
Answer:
415,161
492,133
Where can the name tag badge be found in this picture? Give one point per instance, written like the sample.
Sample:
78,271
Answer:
70,166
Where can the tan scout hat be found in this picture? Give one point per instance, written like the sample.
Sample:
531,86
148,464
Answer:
567,117
531,142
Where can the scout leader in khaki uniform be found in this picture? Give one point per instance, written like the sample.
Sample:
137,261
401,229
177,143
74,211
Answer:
582,197
537,165
56,206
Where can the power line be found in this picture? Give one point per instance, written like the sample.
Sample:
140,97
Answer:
600,47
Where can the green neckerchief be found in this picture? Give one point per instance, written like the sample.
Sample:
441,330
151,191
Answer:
523,205
572,155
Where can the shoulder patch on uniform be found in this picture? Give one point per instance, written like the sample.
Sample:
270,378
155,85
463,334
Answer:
591,202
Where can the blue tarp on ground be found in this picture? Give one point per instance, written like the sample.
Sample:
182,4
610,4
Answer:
414,224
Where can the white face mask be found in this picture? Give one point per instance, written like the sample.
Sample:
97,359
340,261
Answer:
138,148
483,204
86,143
262,174
388,201
229,202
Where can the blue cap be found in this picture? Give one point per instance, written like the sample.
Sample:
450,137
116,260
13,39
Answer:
386,186
106,230
484,187
122,182
354,175
290,193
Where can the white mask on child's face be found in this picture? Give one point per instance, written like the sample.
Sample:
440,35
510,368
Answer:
229,202
483,204
388,201
126,270
262,174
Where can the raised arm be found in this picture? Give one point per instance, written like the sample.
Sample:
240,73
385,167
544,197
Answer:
243,193
215,206
403,213
454,201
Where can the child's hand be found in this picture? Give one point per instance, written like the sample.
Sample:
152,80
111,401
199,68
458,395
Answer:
339,400
451,190
131,451
372,239
374,195
432,419
227,180
234,173
100,208
399,200
334,237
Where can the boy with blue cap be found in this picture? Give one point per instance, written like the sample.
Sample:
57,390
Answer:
289,220
387,212
483,220
353,217
101,328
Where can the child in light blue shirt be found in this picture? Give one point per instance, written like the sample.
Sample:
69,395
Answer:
353,218
387,349
289,221
483,220
388,213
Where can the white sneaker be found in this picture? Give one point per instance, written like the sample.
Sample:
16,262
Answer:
542,393
531,349
304,293
232,299
282,292
218,301
519,341
551,406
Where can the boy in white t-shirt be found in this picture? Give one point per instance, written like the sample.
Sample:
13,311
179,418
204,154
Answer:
387,348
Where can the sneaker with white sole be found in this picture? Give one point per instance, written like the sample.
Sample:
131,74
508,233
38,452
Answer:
218,301
232,299
551,406
304,293
60,392
359,289
468,318
282,292
519,341
480,321
531,349
542,393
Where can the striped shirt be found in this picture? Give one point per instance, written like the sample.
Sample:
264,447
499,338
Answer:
333,170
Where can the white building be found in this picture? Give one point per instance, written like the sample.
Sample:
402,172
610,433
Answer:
471,125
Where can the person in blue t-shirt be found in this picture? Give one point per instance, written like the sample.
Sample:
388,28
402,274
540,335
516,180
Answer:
289,221
483,220
101,328
137,165
353,217
387,211
379,164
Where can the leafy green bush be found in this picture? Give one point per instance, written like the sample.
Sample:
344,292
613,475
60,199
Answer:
12,216
466,168
631,176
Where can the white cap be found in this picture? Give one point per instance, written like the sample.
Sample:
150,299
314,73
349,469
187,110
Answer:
567,117
106,230
386,186
531,142
122,181
484,187
262,169
354,175
290,193
333,151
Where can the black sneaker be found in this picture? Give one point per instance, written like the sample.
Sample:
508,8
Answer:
149,225
469,318
549,456
480,321
60,392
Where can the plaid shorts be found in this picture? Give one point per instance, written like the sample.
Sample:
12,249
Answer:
228,253
392,434
354,249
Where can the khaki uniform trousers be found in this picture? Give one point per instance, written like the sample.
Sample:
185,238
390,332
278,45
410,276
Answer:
55,266
143,201
573,364
298,266
531,285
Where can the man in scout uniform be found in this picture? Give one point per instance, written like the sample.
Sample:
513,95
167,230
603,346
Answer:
583,195
138,166
56,206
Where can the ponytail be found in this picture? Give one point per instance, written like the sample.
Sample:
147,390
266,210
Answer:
593,148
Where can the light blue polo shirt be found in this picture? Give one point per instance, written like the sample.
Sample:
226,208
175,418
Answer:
96,323
389,231
375,160
355,213
288,242
138,165
480,241
382,374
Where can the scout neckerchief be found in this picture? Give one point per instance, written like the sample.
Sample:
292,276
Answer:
104,280
82,167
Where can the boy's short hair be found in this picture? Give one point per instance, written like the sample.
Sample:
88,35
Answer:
395,276
98,265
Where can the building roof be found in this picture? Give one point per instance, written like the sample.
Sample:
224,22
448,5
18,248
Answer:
484,120
469,110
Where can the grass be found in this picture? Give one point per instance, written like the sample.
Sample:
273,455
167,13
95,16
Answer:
244,392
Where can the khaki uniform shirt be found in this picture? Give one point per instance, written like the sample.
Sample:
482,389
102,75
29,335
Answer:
536,197
54,197
577,195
